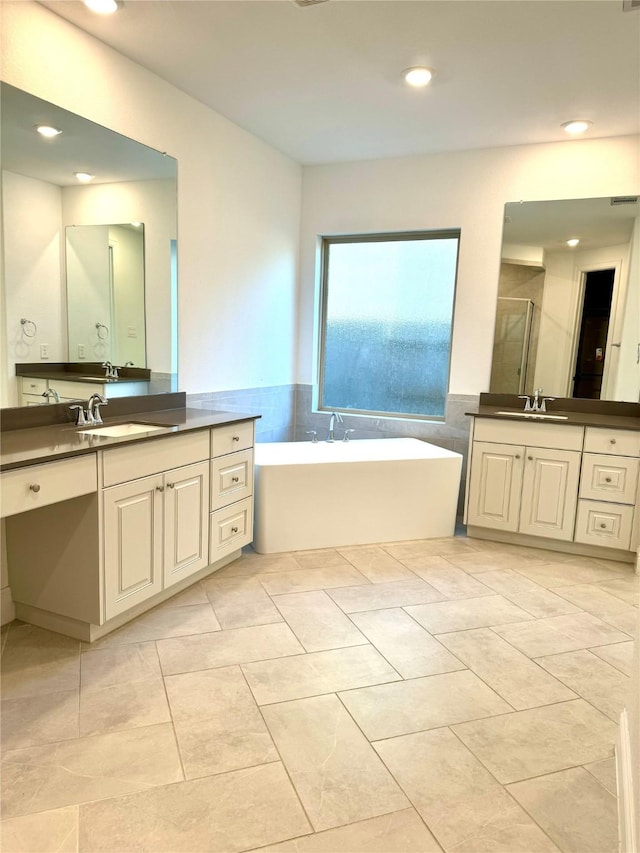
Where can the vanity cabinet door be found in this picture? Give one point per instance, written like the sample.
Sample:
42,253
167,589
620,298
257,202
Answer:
550,493
495,485
132,543
186,516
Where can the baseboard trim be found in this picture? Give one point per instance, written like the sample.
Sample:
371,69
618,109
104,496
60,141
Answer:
475,532
627,829
89,633
7,608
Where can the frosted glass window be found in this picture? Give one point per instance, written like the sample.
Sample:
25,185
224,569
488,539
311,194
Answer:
386,323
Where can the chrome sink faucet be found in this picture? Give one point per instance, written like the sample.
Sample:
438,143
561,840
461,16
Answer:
111,371
93,408
335,416
535,403
91,415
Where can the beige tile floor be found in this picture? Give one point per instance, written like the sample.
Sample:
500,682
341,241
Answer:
445,695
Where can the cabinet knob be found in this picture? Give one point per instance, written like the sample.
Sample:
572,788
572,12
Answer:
235,479
236,438
603,525
517,456
612,441
35,487
607,479
159,488
530,458
234,529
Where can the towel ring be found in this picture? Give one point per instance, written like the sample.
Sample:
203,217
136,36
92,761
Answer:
103,331
29,328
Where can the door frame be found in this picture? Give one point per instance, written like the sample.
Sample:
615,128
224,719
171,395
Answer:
615,322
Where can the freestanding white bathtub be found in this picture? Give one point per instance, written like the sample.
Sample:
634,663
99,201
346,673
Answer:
353,493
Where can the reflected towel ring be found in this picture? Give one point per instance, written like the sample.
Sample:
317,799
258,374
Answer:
29,328
103,331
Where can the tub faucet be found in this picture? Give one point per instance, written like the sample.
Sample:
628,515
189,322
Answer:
335,416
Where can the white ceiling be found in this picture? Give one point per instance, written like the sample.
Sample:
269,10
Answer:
322,83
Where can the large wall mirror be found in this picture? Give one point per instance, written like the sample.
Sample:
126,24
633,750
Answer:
568,312
91,267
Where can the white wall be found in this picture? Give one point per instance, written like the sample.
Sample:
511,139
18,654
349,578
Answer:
466,190
238,199
32,265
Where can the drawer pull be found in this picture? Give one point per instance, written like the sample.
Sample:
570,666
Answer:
234,529
159,488
235,479
236,438
171,485
612,441
607,479
34,487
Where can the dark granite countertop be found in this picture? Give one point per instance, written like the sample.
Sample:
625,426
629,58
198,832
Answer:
592,419
610,414
90,371
68,376
48,443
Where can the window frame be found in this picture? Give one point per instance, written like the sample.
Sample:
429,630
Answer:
326,241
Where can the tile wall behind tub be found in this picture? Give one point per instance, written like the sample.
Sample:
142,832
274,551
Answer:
286,416
275,405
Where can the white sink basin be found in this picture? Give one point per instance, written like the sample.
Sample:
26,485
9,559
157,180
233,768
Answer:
120,430
543,416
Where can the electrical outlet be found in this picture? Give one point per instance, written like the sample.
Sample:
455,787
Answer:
81,351
44,350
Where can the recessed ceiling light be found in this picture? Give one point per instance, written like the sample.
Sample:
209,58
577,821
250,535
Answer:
418,76
573,242
84,177
102,7
47,131
576,126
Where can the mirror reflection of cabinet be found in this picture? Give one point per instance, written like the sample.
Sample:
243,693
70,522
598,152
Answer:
560,351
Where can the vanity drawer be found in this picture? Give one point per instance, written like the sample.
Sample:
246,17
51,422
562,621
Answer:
40,485
141,459
228,439
230,528
609,478
620,442
604,524
536,434
33,386
231,478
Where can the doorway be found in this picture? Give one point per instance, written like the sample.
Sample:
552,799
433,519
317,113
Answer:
594,328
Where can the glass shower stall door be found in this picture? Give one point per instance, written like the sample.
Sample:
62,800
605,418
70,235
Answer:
514,318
